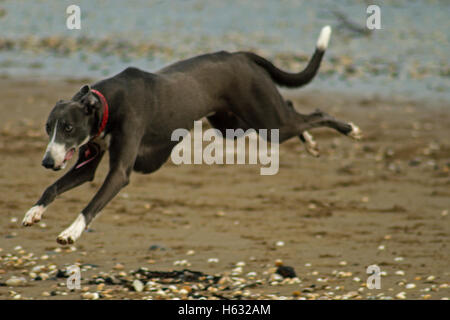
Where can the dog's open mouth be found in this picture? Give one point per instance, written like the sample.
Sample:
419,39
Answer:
69,154
67,157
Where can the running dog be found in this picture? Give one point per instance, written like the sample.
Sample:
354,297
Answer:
133,114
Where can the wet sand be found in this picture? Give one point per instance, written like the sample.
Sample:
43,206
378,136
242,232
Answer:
383,200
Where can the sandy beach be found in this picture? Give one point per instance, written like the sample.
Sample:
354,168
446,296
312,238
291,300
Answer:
383,200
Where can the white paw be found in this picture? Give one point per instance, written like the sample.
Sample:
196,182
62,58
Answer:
355,133
72,233
310,144
33,215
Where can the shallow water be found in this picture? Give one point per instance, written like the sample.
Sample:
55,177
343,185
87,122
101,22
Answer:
408,56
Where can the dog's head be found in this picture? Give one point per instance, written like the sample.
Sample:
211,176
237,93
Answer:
69,126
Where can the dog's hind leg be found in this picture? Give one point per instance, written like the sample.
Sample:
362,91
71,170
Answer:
321,119
308,140
81,172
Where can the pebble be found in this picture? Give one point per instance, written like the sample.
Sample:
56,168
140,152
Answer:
119,266
275,277
183,263
183,292
240,264
90,295
16,281
190,252
401,295
431,278
138,286
236,271
278,262
279,243
410,286
213,260
381,247
286,272
398,259
400,273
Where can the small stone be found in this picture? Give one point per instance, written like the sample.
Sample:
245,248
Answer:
343,263
183,292
45,294
279,243
240,264
138,286
401,295
16,281
278,263
431,278
400,273
119,266
444,213
213,260
381,247
90,296
274,277
44,276
190,252
38,268
296,293
286,272
410,286
236,271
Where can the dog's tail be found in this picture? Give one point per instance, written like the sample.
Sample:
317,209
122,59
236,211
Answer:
293,80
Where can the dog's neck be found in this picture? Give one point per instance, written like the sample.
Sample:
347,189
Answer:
103,114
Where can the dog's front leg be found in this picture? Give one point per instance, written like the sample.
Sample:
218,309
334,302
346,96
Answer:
123,154
83,171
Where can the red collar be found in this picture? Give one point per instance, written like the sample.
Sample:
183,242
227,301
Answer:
105,112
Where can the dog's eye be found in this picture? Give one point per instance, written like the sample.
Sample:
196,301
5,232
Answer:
68,128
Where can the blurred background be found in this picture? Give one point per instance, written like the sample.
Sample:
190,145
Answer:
408,56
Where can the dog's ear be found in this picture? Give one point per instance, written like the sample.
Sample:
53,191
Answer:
82,92
87,98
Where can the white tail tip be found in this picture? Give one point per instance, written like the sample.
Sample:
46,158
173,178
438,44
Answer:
324,38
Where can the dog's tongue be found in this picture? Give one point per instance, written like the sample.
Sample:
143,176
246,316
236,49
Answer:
69,154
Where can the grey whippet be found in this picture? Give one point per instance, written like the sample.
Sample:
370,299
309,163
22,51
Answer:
133,114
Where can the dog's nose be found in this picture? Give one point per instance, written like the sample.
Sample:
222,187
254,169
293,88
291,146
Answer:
48,162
